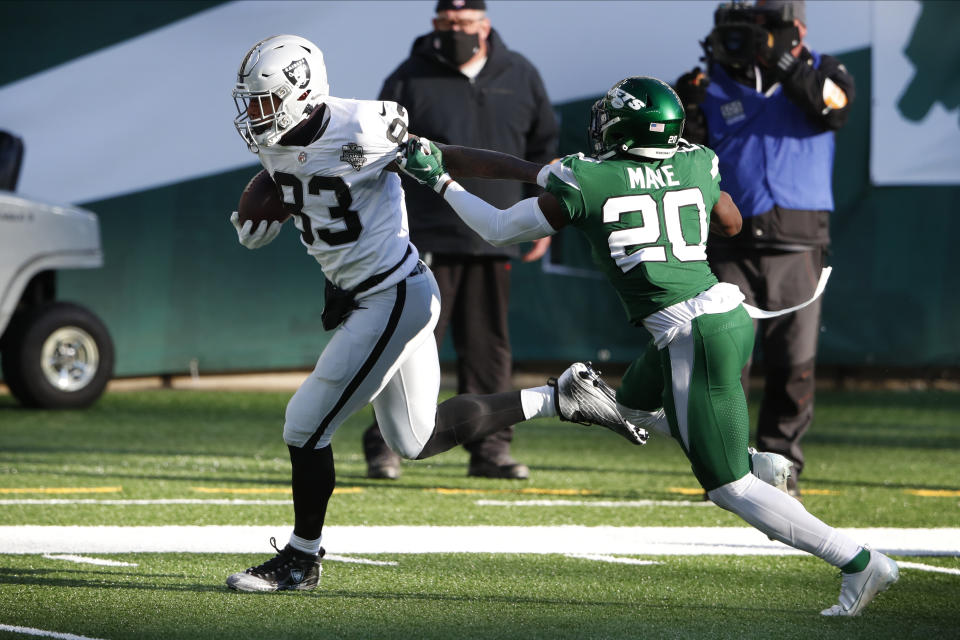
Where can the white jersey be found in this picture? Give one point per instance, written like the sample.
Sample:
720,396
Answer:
349,210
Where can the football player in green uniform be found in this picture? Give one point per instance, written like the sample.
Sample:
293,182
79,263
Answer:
646,203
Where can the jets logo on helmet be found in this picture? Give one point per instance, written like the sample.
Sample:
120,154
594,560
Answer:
280,82
638,117
619,97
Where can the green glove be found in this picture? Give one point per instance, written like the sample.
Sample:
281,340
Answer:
423,161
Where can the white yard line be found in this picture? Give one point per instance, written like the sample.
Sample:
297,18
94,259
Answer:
85,560
613,559
30,631
484,539
353,560
928,567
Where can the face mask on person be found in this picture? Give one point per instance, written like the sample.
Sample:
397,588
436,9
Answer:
456,47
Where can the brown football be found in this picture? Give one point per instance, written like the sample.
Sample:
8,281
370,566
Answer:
261,200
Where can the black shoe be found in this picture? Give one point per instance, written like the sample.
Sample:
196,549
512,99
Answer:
289,569
383,463
512,470
793,488
383,470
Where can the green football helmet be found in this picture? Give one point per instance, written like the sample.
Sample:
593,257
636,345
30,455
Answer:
639,116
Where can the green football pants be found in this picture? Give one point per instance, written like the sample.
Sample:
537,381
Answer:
696,379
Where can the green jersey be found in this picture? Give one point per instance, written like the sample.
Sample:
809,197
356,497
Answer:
646,222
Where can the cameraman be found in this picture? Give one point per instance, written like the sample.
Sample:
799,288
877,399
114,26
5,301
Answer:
768,106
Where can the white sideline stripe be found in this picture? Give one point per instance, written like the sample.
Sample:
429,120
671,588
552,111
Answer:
30,631
484,539
212,501
85,560
613,559
352,560
593,503
928,567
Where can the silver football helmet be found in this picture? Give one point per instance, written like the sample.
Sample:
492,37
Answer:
280,82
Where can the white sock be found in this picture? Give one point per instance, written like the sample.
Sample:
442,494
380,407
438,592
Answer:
538,402
783,518
306,546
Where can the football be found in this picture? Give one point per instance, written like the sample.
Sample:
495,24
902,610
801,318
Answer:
261,200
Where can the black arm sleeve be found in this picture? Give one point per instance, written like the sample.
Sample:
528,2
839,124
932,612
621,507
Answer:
804,85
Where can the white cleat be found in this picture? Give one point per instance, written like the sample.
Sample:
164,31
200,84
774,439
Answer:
772,468
858,589
581,396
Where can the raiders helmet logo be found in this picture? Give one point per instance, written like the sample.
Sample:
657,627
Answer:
353,153
298,73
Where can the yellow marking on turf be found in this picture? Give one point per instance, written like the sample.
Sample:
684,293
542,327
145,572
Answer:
933,493
686,491
248,490
537,492
689,491
61,490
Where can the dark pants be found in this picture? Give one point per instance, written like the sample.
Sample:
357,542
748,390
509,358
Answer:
788,344
474,300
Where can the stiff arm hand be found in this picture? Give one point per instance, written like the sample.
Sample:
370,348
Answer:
422,160
254,238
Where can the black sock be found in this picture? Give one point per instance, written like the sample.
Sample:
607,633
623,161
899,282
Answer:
468,417
313,480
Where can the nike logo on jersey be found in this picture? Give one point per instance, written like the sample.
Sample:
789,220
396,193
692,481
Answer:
383,109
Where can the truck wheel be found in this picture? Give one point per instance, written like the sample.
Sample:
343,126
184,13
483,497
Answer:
59,356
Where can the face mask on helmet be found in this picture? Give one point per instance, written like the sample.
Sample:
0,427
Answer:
638,117
280,81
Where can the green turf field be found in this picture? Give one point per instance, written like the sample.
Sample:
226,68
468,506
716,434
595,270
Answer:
875,460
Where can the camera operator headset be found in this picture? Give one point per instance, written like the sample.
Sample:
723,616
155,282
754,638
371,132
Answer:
768,106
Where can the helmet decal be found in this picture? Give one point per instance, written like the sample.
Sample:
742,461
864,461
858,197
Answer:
619,98
298,73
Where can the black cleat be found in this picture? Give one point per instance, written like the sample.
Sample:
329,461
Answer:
289,569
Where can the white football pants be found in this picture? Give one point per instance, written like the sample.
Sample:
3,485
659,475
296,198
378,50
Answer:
384,353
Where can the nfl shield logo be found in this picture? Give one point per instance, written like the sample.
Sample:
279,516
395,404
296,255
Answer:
353,153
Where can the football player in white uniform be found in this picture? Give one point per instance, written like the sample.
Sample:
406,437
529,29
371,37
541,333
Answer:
335,163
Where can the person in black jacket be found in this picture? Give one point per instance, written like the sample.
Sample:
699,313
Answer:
463,86
769,107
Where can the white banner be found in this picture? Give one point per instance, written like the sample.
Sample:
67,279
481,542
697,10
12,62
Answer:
915,123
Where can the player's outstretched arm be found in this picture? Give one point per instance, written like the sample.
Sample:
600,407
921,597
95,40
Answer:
467,162
725,218
525,221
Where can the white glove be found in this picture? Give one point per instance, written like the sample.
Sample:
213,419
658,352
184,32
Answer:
255,238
